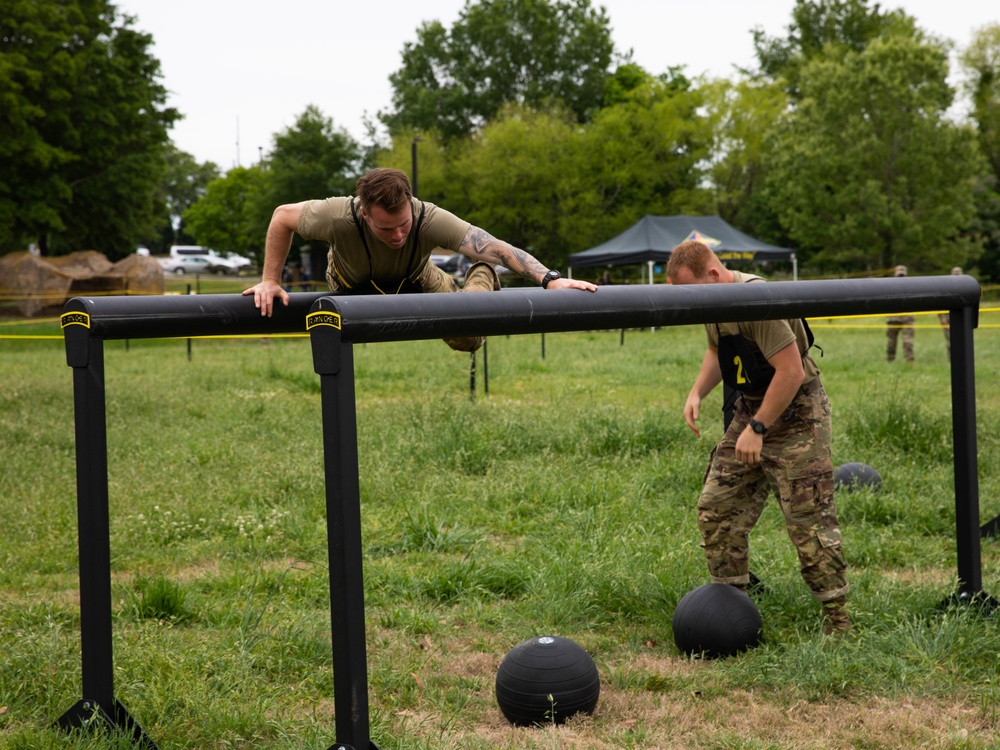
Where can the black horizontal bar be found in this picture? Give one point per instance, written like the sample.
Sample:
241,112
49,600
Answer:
514,311
519,311
180,316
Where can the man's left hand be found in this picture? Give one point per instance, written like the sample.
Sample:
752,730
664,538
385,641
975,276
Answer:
572,284
748,446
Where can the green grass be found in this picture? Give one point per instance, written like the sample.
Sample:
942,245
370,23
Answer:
562,502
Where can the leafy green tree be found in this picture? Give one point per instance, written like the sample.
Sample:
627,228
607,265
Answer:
629,76
531,52
520,202
184,183
432,162
980,62
226,217
981,65
83,127
564,187
869,171
823,28
743,117
311,159
645,155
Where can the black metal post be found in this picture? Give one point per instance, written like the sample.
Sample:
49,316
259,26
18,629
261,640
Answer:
333,360
85,354
963,414
486,368
413,157
472,376
189,340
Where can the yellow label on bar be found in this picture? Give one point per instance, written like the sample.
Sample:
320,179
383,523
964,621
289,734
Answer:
74,319
321,318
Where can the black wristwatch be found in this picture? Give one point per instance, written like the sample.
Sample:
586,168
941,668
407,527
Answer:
759,427
550,276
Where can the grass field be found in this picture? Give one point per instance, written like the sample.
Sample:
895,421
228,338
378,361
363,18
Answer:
561,503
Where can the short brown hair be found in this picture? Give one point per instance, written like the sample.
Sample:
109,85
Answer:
389,189
692,255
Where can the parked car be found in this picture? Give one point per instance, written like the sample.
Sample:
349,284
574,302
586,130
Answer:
196,264
231,262
240,261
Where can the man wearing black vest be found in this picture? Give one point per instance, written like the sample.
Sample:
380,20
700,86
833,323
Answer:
779,438
381,241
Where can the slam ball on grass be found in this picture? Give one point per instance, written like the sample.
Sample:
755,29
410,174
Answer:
716,620
855,475
546,680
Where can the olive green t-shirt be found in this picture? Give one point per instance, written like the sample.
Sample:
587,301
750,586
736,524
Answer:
769,336
331,220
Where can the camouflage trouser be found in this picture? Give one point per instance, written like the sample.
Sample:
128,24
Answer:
896,324
796,465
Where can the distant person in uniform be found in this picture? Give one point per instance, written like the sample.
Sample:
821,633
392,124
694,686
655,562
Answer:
381,241
899,324
945,318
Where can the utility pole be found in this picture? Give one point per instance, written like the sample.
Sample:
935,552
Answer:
413,153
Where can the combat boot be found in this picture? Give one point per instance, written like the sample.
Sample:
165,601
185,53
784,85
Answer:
481,277
836,621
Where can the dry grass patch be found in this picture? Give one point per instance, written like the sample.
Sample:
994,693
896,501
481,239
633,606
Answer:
738,719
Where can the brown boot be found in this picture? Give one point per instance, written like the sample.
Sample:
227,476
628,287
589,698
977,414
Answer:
481,277
836,621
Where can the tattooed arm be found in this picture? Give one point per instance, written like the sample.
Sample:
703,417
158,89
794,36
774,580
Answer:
480,245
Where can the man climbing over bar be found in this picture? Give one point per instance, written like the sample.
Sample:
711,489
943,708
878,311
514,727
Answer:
381,241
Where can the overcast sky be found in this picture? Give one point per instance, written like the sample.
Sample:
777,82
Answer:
240,72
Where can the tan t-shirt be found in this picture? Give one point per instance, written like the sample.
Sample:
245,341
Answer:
331,220
769,336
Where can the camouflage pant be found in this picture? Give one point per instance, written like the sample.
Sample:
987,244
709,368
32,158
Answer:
796,465
897,324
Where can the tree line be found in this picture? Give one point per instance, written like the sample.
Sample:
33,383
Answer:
523,118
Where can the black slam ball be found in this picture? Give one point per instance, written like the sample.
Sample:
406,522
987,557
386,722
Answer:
546,680
855,475
716,620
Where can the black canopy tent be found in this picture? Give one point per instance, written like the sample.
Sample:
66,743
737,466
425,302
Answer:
651,240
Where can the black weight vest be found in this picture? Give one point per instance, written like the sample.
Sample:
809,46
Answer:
744,368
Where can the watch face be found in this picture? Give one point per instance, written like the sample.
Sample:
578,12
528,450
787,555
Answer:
758,427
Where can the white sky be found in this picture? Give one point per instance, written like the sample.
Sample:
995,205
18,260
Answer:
240,72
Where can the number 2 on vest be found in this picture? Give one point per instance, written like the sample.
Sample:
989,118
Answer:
739,370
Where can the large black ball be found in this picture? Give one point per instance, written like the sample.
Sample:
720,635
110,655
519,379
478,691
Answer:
716,620
855,475
545,680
